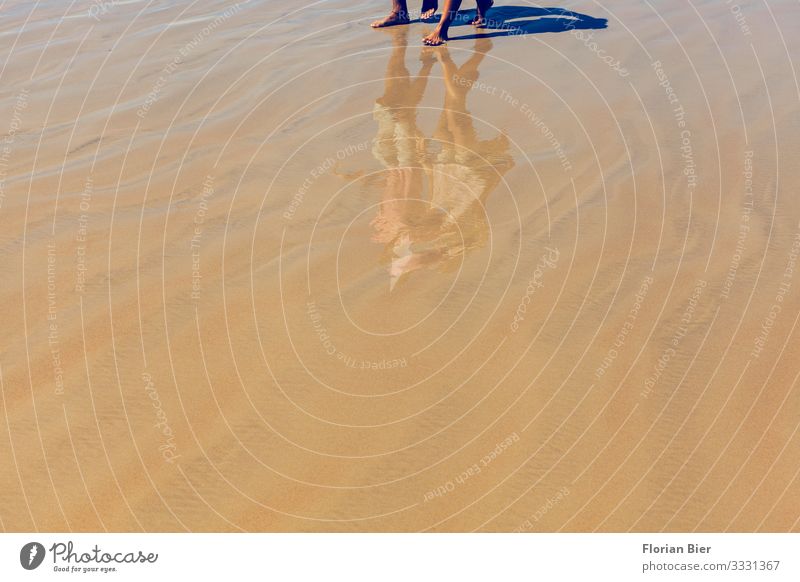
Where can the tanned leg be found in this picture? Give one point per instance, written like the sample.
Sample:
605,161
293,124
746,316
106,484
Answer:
398,15
439,35
483,7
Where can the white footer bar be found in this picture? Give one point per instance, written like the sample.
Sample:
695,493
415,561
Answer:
401,557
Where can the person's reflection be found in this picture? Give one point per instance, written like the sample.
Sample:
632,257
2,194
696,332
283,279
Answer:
432,209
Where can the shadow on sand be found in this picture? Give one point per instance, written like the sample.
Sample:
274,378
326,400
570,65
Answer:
524,20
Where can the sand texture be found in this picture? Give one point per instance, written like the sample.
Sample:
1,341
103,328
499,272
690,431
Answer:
265,268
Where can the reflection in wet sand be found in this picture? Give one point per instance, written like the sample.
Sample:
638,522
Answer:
432,210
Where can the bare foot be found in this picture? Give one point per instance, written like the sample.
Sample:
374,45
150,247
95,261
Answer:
429,8
435,38
478,22
393,19
480,19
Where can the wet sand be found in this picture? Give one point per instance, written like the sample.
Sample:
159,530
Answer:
279,271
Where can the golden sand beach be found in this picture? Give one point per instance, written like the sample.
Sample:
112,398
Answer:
265,268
